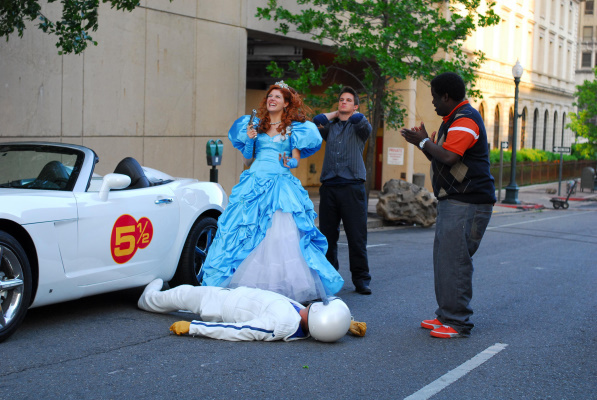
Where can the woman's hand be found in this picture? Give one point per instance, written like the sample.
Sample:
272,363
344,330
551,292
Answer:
251,132
287,162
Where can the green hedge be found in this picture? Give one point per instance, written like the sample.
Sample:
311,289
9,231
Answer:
532,155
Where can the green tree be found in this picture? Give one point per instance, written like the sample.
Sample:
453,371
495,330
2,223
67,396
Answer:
79,19
584,123
393,39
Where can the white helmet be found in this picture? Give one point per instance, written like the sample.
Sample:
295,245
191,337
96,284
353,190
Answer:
329,322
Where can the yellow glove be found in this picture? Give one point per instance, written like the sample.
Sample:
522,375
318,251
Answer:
357,328
180,327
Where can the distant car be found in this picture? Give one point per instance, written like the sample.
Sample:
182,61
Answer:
66,233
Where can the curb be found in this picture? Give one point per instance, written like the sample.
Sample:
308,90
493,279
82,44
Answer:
522,206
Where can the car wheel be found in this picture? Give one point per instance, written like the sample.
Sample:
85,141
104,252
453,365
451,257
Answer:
15,285
194,252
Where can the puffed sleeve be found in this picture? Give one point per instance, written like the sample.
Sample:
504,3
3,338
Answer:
238,132
305,137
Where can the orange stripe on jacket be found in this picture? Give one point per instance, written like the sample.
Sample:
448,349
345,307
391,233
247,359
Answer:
462,135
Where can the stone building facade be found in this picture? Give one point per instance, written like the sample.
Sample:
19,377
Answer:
587,42
542,36
544,39
167,77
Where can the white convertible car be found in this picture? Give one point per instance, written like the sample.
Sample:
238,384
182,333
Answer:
67,233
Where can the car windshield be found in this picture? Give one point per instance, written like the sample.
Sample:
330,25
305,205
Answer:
32,166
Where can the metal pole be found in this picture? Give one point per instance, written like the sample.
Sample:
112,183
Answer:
512,188
213,174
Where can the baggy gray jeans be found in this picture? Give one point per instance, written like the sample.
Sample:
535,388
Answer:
458,232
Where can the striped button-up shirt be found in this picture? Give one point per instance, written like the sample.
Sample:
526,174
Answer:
345,143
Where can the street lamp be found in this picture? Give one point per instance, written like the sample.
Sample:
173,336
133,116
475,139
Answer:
512,188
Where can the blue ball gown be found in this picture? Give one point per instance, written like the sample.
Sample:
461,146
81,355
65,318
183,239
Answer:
267,237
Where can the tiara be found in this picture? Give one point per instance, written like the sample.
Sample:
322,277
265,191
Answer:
283,85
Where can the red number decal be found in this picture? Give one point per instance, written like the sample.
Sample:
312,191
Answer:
145,232
128,235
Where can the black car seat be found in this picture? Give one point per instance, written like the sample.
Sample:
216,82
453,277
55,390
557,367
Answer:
131,167
54,173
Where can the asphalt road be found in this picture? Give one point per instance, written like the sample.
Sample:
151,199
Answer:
535,305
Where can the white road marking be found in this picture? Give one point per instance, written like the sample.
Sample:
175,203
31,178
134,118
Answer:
444,381
536,220
368,246
115,372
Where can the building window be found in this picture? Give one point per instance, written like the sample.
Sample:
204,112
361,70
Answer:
535,121
551,67
589,4
511,128
563,128
545,129
540,49
503,50
523,128
553,137
586,60
496,128
587,33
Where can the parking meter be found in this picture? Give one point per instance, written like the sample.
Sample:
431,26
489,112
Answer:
214,150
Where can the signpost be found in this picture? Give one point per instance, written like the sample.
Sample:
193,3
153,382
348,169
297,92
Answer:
561,150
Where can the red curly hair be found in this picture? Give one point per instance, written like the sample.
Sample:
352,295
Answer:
295,111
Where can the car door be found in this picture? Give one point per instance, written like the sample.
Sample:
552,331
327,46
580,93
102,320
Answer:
131,233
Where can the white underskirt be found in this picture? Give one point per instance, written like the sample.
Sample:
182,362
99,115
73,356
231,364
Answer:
278,265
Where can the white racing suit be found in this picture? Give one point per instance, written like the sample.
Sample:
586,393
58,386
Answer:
230,314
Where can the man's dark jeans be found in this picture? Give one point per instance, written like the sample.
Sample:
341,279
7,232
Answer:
459,229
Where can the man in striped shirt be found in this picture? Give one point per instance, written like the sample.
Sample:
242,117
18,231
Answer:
342,192
465,191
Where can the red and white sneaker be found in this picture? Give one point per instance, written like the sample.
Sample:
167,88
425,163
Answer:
445,332
431,324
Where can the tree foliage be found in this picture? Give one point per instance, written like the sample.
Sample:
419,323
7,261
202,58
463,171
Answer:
394,39
584,122
79,19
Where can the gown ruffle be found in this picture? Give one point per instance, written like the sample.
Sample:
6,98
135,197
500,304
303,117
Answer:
263,189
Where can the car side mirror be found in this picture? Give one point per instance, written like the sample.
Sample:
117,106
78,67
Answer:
113,181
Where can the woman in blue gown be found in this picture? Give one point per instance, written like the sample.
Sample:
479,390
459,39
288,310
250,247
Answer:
267,238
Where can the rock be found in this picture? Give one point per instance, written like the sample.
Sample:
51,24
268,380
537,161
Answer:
404,202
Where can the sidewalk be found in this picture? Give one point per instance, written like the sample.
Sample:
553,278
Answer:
533,197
